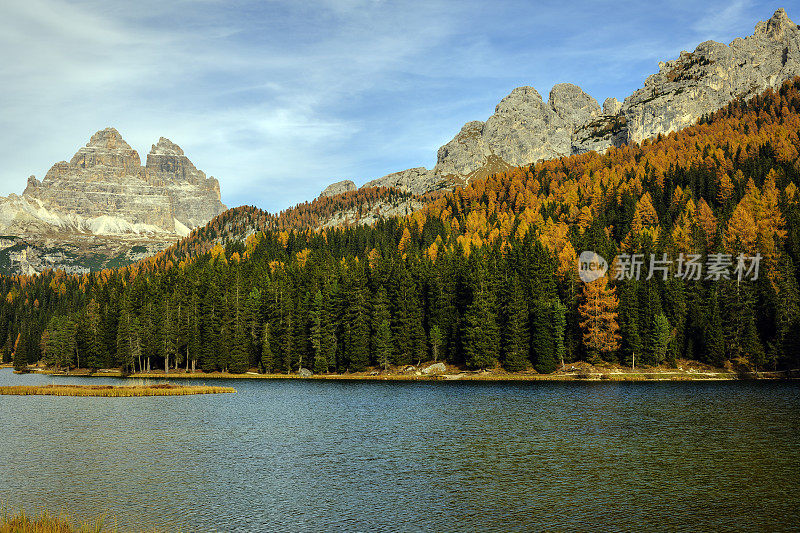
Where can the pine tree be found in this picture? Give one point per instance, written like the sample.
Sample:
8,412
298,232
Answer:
267,359
481,334
90,335
287,340
380,314
788,318
435,337
662,334
714,335
542,336
383,344
240,345
168,339
631,345
404,316
516,340
357,320
129,349
20,354
559,327
315,329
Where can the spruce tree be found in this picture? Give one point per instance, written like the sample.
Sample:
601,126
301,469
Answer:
267,358
481,336
559,311
435,337
383,344
662,333
357,320
380,314
516,340
327,335
542,337
714,335
20,354
315,329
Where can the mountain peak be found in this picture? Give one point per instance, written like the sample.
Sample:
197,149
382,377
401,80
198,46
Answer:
166,147
777,27
108,138
572,104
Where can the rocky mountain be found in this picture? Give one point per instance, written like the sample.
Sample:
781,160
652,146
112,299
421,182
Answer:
338,188
524,128
705,80
104,208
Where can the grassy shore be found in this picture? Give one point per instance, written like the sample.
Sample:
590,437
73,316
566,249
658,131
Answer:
690,371
109,391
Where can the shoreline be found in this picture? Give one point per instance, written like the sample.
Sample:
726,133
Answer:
654,375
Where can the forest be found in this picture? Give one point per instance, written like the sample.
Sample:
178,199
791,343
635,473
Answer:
481,276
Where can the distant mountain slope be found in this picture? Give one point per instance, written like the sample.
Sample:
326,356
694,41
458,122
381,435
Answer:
344,210
525,129
483,276
103,208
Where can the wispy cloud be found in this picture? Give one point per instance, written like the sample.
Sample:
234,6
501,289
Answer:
278,98
718,23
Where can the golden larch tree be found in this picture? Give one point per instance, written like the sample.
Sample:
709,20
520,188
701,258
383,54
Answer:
599,316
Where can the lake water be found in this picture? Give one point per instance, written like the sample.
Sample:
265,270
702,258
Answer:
431,456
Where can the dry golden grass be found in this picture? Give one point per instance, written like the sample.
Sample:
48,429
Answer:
46,523
110,391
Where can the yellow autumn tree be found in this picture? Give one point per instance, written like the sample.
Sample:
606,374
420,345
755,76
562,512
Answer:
706,221
598,314
724,188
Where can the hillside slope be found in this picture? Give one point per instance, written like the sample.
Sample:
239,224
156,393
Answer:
484,276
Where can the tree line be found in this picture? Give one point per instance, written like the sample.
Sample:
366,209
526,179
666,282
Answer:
485,275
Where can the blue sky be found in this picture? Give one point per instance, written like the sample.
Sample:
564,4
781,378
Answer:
277,99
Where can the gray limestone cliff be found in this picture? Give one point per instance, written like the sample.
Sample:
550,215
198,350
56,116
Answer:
339,187
104,208
105,178
525,129
703,81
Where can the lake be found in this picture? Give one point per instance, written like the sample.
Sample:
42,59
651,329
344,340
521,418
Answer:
292,455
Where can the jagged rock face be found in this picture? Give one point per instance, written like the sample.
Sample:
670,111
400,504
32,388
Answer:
417,180
714,74
611,107
573,105
600,134
105,202
339,187
524,129
105,179
194,198
465,153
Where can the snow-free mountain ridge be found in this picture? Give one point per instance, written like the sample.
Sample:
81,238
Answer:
524,128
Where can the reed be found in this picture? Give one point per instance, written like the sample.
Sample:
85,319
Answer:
111,391
20,522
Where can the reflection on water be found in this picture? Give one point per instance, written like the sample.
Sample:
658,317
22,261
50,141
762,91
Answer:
332,456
